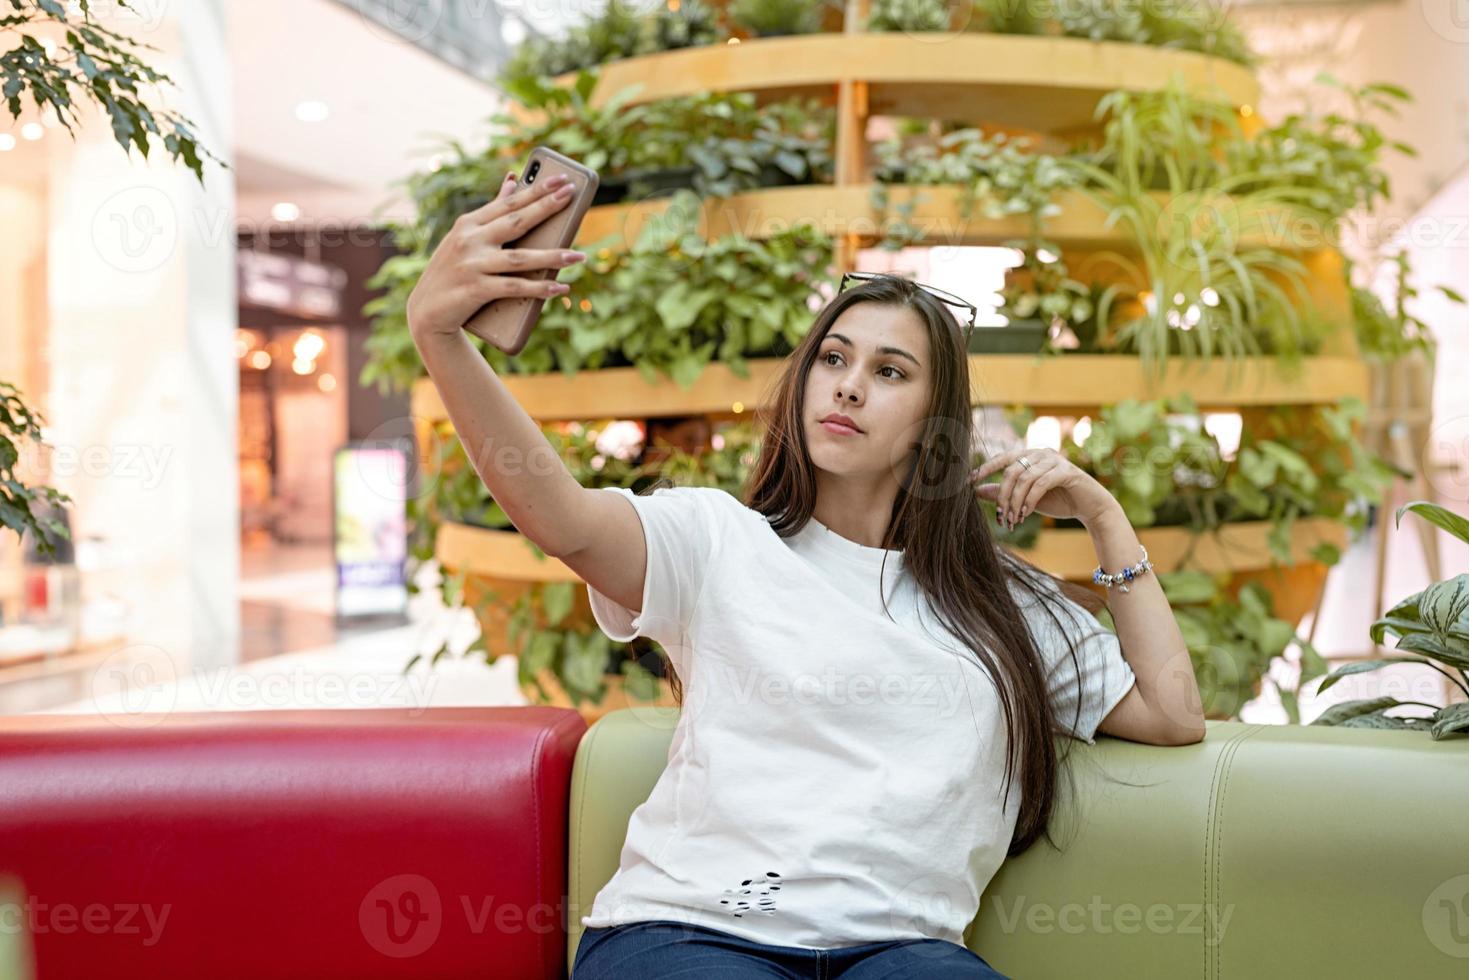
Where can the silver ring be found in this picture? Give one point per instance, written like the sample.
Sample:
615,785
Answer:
1024,462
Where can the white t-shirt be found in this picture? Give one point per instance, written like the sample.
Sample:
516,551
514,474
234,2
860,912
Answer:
834,777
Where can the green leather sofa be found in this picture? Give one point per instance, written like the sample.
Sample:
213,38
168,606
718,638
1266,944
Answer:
1263,851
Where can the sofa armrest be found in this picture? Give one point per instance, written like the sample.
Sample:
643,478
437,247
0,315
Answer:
319,843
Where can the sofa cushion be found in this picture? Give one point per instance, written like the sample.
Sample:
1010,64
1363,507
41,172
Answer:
1263,850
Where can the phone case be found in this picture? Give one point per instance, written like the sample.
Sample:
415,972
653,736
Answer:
508,321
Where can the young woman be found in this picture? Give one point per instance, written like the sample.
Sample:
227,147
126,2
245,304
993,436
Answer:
871,688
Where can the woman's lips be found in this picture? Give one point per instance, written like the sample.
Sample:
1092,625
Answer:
837,428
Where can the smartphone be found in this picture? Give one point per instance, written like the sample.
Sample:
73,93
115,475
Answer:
508,321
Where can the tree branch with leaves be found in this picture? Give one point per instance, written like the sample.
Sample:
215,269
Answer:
100,66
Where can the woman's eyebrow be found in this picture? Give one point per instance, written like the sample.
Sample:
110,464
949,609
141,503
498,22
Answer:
881,350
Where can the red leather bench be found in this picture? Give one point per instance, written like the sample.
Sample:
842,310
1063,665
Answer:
265,844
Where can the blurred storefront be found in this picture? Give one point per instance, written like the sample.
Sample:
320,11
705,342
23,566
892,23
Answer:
130,321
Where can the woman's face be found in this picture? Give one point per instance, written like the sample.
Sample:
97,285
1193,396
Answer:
872,366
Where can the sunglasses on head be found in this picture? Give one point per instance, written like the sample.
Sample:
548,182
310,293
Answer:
942,295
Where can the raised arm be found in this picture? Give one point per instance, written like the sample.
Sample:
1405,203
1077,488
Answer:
505,445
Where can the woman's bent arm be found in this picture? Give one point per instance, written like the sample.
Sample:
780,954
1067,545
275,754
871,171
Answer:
597,534
506,447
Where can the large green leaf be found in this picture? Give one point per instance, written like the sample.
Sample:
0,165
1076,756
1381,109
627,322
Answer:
1400,619
1434,514
1448,649
1444,605
584,662
1339,714
639,682
1362,666
1188,587
539,652
679,306
1451,719
556,599
1380,719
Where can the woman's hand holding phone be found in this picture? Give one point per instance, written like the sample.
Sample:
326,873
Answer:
469,268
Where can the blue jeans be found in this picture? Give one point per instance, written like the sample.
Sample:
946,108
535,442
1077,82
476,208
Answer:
665,948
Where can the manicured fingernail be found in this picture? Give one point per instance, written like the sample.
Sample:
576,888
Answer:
573,256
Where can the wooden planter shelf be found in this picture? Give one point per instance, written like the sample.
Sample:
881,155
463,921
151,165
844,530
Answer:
1050,84
1065,552
848,211
1077,381
1038,85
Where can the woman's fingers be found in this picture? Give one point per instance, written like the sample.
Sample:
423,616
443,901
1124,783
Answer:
1038,489
995,462
513,261
507,186
526,208
1018,482
498,286
1014,472
507,202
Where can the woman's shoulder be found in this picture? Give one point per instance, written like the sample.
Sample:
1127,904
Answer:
716,503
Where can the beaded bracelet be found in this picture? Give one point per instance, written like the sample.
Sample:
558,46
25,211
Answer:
1110,579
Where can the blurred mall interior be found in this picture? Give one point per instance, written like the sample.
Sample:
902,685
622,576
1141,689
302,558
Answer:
196,348
283,684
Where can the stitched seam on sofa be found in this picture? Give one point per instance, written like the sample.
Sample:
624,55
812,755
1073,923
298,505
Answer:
595,738
1219,763
1219,844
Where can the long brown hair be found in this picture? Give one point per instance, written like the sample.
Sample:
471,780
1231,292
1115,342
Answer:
941,526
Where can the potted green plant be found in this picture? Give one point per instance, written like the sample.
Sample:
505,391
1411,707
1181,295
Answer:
617,32
778,18
908,15
1201,27
998,173
1432,630
1336,156
693,24
1232,641
1191,287
563,658
1040,301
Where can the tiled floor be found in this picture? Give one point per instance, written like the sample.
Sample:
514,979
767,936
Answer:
299,657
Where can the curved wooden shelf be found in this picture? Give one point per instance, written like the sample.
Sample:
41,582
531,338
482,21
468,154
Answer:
499,554
1045,83
1064,552
848,210
1241,546
1078,381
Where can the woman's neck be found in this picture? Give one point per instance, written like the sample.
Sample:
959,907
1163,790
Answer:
857,512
